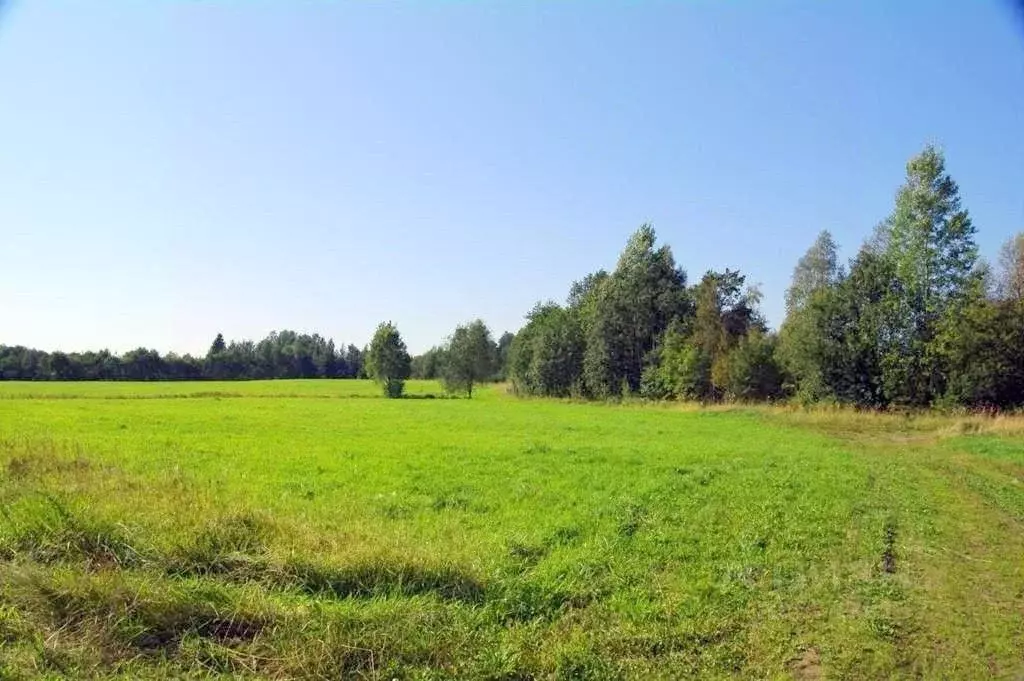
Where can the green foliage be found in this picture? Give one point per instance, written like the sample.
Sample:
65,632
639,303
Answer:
504,351
850,323
753,371
429,365
388,361
282,354
914,320
1010,275
694,358
216,363
632,307
218,346
910,324
547,354
929,240
725,311
557,361
816,270
799,351
469,358
583,297
682,369
982,346
693,374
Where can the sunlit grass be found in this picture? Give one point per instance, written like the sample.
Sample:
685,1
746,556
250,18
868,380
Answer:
264,529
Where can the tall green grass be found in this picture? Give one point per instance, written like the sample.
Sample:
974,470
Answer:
262,530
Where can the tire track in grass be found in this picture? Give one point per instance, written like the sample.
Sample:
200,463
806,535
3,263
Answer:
962,550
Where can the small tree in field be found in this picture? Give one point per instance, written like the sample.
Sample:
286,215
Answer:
470,358
387,360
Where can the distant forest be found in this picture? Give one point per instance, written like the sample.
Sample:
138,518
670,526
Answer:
282,354
915,319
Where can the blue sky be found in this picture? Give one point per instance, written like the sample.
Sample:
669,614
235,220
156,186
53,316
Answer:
174,169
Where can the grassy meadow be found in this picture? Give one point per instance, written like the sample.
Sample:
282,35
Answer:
310,529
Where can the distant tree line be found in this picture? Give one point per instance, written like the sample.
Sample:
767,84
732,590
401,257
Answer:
915,319
282,354
469,357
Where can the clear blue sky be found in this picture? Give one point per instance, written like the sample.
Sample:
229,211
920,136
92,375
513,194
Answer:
169,170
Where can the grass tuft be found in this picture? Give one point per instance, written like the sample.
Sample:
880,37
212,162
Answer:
379,577
47,530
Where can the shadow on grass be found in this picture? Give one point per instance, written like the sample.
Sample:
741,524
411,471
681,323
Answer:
235,550
154,622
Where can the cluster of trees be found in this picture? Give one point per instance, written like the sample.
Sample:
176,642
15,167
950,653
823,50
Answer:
433,364
282,354
641,329
469,357
915,319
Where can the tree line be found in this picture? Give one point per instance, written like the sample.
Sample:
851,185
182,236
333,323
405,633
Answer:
469,357
282,354
914,319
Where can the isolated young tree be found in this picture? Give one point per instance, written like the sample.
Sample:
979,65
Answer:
387,360
929,238
469,358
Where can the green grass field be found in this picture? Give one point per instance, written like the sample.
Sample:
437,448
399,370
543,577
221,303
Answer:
296,529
